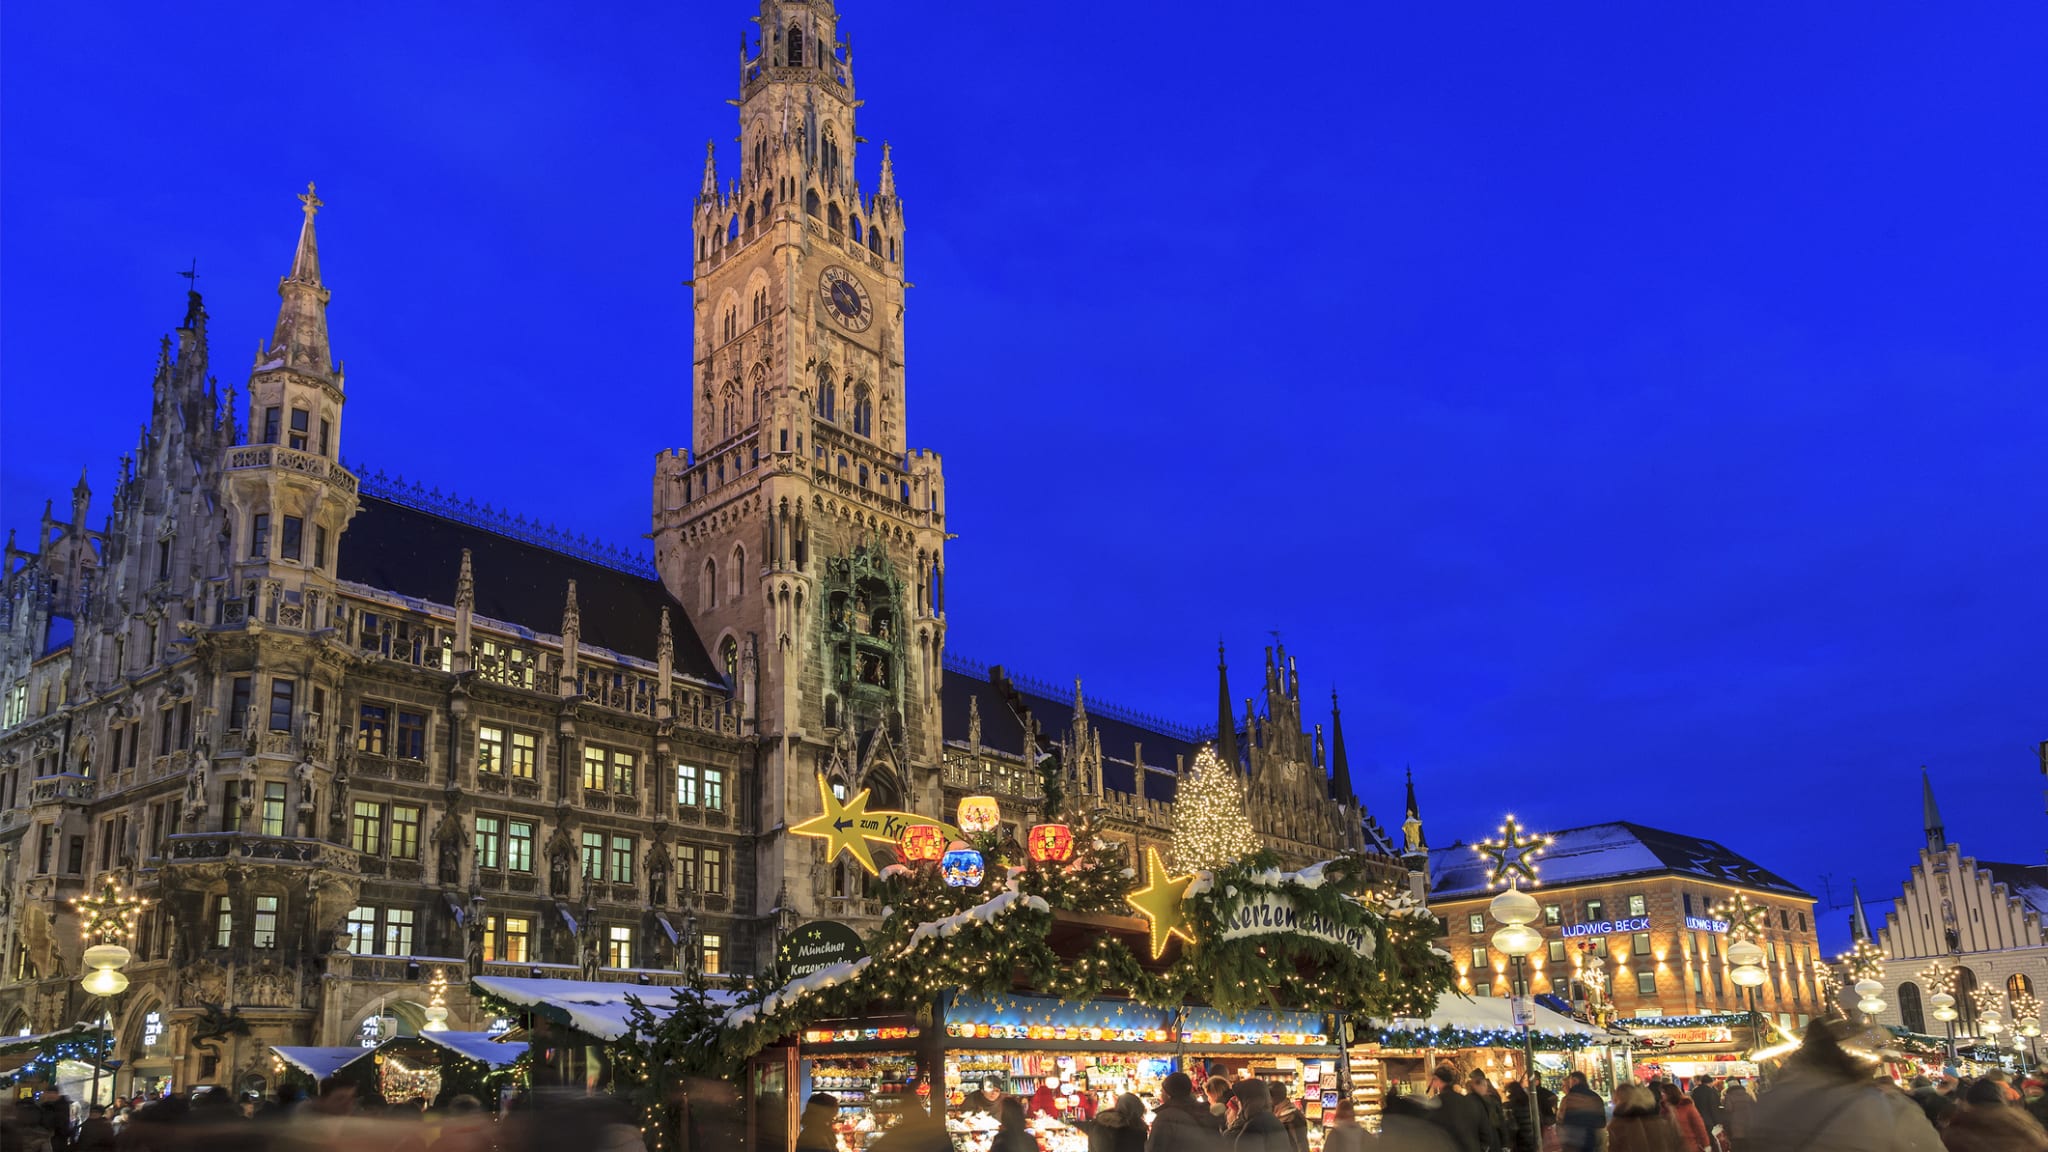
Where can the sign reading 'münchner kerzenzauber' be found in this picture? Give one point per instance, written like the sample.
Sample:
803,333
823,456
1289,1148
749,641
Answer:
1266,912
819,944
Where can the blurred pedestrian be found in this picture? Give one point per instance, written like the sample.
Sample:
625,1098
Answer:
1120,1128
1217,1089
1289,1115
1255,1128
815,1131
917,1130
1181,1123
97,1133
1462,1118
1582,1116
1012,1135
1496,1130
1343,1133
1408,1125
1639,1124
1685,1117
1737,1107
1988,1122
1828,1100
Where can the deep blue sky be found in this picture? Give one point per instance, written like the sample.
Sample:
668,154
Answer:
1637,412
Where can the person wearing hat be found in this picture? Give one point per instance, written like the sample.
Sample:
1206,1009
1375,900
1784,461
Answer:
817,1134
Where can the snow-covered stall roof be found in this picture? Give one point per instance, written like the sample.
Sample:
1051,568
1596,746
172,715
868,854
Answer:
593,1007
1610,852
1493,1014
320,1063
479,1046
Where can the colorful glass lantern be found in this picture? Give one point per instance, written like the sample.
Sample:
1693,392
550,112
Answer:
979,814
1050,843
961,866
922,844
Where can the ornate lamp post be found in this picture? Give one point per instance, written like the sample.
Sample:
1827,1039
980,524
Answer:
1514,859
2026,1014
1865,965
106,918
1942,978
1746,922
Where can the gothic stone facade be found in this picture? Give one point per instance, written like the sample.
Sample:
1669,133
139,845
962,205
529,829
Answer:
342,731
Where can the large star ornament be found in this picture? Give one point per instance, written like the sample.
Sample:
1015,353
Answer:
1514,855
847,826
1160,901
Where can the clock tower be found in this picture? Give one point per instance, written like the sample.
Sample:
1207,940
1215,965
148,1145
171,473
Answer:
806,538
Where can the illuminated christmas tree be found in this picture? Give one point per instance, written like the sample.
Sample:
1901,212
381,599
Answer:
1210,828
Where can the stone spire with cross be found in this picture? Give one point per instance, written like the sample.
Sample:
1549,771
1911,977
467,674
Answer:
300,341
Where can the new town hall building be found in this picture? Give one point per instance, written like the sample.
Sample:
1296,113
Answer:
342,732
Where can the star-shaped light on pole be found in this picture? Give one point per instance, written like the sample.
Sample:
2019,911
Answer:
1513,855
1160,901
848,825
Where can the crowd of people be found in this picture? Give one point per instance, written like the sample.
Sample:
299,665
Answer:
212,1120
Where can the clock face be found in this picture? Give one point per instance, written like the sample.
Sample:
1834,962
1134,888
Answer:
846,299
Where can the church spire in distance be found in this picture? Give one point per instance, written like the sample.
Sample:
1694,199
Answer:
1930,815
300,342
1226,724
1340,764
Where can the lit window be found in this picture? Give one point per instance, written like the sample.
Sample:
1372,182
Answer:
1646,983
523,746
1639,905
593,769
1557,951
623,766
714,870
714,789
619,950
519,846
686,784
266,922
398,931
362,931
1641,944
714,953
273,809
518,940
1476,923
373,729
1482,990
490,939
405,832
487,841
366,833
593,855
490,749
224,922
1478,959
622,859
1552,914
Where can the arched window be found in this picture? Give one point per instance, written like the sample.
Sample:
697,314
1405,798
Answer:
739,573
1909,1008
855,222
796,46
704,248
767,206
827,398
729,657
750,217
892,248
732,229
812,205
874,241
1966,1002
863,411
2019,985
729,416
833,219
710,589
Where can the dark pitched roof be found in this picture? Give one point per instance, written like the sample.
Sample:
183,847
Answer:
397,548
1611,852
2025,882
1122,732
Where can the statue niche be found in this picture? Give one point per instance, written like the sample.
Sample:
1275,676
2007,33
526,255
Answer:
863,596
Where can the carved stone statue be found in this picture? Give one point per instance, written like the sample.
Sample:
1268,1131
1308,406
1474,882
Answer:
591,957
558,872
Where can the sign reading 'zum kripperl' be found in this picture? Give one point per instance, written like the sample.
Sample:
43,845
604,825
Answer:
1264,913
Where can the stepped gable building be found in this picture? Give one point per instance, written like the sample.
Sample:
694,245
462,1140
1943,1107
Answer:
342,731
1985,920
1635,905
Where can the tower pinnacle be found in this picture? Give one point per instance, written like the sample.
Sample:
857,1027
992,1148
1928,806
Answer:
1340,764
1930,813
1859,924
300,342
1226,724
709,191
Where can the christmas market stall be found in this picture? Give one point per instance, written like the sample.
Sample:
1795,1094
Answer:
69,1060
1687,1047
1006,971
1480,1034
435,1066
573,1026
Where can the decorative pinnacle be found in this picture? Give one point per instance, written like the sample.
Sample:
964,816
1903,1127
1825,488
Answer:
312,202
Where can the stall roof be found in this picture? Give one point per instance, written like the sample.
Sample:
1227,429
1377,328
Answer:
593,1007
320,1063
1491,1013
21,1043
483,1047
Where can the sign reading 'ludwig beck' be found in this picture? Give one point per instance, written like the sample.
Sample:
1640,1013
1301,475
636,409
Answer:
1268,912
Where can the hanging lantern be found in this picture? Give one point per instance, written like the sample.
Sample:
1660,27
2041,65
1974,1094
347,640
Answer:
962,866
922,844
979,814
1050,843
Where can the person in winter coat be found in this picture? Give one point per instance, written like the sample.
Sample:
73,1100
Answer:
916,1130
1639,1125
1826,1101
1461,1117
1290,1117
1344,1133
1520,1137
1989,1122
1685,1117
1737,1105
1256,1128
816,1133
1012,1136
2035,1095
1406,1125
1581,1116
1120,1129
1707,1098
1182,1123
1496,1132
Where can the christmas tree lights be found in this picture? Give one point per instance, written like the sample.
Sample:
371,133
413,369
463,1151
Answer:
1210,828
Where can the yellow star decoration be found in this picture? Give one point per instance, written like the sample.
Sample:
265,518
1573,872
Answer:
1160,901
848,826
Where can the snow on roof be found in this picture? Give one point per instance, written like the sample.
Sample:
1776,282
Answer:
1609,852
480,1046
320,1063
2027,883
1492,1013
597,1008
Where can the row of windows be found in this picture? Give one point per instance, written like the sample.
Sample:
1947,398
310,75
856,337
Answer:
291,540
273,420
1638,904
174,731
507,843
375,827
265,928
382,730
388,931
270,816
283,698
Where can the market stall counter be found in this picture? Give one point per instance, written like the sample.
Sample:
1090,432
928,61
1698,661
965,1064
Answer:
1066,1060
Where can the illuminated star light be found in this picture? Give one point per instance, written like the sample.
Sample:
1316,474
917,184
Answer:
848,826
1160,901
1514,853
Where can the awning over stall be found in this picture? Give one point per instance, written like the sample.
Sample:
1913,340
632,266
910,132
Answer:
595,1008
483,1047
1494,1014
320,1063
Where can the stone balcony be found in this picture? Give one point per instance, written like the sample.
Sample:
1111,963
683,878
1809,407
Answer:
196,847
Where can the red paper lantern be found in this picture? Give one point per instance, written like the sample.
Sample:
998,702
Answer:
1050,843
922,844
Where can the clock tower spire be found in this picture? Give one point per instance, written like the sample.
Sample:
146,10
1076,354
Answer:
804,534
